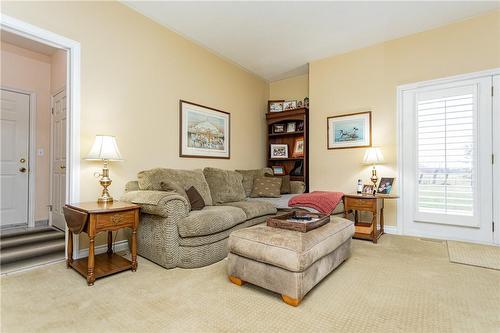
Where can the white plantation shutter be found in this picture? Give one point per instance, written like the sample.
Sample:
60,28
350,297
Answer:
446,152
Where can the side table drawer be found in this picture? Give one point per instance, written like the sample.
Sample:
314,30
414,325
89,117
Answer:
354,203
116,220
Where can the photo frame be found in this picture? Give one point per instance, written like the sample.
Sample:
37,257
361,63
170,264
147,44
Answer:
279,151
278,128
278,170
352,130
289,105
204,131
368,189
385,185
275,106
298,147
290,127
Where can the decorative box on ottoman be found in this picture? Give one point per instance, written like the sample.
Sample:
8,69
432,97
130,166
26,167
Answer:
288,262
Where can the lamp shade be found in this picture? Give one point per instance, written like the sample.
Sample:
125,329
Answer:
104,148
373,156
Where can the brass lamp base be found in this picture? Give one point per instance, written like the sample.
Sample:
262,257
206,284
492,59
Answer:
105,181
374,180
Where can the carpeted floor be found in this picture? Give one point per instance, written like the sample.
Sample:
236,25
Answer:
399,285
486,256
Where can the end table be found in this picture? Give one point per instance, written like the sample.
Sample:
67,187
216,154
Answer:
92,218
354,203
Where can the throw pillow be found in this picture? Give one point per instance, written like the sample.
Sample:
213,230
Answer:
250,175
266,187
285,184
171,186
225,186
195,199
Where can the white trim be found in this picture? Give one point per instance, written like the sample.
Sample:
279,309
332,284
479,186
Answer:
496,152
72,47
391,230
117,247
399,122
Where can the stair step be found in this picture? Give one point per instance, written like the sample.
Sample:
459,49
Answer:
31,250
20,265
30,238
14,232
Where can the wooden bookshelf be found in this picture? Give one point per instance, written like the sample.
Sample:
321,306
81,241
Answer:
292,116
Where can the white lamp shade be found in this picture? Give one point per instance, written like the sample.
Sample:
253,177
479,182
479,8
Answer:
104,148
373,156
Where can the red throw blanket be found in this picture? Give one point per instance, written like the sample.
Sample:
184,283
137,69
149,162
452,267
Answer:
323,201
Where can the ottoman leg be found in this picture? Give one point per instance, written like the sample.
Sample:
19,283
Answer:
290,301
236,280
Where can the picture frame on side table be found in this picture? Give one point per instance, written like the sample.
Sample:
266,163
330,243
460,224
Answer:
367,189
204,132
385,185
278,170
279,151
352,130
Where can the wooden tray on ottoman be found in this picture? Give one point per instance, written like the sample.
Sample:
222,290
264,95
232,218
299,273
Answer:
284,222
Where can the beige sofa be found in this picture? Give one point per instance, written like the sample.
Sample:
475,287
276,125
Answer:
172,235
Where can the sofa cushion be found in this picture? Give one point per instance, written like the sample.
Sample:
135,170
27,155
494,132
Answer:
151,180
285,183
249,176
195,200
225,186
254,208
170,186
287,249
267,187
210,220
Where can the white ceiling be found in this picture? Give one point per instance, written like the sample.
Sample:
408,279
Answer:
276,40
26,43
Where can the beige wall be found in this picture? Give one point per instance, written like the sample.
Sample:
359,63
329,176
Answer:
366,79
57,71
134,72
30,71
296,87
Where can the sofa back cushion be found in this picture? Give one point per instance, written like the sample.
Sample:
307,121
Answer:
266,187
250,175
151,180
225,185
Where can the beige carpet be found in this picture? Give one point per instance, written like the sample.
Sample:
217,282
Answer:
474,254
399,285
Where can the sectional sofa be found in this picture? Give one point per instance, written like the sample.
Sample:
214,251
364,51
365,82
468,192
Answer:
172,235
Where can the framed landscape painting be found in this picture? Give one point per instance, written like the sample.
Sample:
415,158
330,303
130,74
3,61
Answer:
204,131
350,130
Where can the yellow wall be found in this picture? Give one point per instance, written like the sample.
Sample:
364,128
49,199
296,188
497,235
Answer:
296,87
366,79
134,72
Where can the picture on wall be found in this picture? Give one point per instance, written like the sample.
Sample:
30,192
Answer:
350,130
204,131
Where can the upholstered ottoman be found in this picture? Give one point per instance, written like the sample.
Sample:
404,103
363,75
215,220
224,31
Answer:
288,262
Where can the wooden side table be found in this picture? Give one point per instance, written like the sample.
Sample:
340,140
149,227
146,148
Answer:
354,203
92,218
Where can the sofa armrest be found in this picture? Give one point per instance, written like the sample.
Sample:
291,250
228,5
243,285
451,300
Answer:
160,203
297,187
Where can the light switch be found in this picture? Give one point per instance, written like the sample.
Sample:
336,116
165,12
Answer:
40,152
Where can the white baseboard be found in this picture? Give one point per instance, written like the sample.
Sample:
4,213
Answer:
391,229
117,247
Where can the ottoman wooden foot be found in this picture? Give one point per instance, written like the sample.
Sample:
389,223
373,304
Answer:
236,280
290,301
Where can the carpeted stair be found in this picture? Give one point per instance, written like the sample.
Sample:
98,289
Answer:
30,246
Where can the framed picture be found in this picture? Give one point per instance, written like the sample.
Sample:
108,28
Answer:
278,128
299,104
204,131
350,130
367,189
279,151
278,170
289,105
290,127
300,126
298,147
275,106
385,185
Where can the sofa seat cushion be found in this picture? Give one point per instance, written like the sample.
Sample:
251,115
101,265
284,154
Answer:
210,220
287,249
254,208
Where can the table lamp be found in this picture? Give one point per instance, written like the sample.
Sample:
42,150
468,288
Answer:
104,149
373,156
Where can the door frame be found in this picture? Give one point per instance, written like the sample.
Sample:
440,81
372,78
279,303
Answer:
399,123
72,48
31,152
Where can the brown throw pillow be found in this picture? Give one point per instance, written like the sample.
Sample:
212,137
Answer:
195,199
266,187
286,187
170,186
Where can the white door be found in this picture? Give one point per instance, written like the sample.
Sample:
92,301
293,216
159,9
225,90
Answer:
15,109
58,153
447,160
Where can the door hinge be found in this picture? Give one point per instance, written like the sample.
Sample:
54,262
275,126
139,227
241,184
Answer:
50,208
493,226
